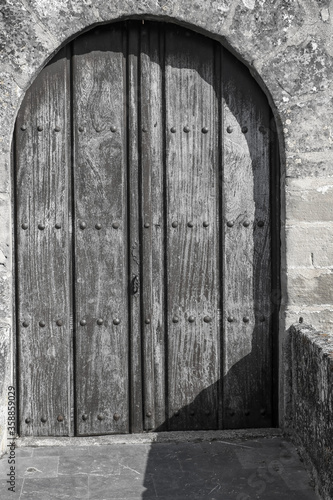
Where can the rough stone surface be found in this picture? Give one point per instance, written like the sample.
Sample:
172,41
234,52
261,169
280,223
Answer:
303,135
316,250
221,469
310,164
23,41
309,199
312,315
151,437
310,287
288,47
311,399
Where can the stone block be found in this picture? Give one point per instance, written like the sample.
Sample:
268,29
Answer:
6,306
309,199
56,487
320,318
5,232
76,15
26,42
310,164
10,96
310,287
5,381
307,124
310,245
302,67
312,399
270,27
32,467
64,18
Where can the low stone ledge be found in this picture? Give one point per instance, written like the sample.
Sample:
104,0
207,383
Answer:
151,437
310,417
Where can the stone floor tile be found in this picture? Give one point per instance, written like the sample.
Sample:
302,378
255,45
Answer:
222,448
134,459
175,458
127,485
94,464
286,495
185,484
86,450
57,488
4,467
129,450
176,449
5,494
198,469
254,454
261,484
196,497
219,463
49,451
296,478
23,452
261,469
156,466
32,467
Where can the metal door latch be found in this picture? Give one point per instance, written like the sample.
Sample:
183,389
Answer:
135,284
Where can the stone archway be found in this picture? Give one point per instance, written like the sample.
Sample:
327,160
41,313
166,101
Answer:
288,45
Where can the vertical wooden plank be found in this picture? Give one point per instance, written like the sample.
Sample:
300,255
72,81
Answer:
101,271
192,231
43,254
134,228
152,217
247,380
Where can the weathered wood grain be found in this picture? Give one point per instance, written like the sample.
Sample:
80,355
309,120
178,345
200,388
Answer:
193,252
100,190
43,255
152,222
247,358
135,255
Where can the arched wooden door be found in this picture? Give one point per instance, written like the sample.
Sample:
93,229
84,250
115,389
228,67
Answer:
144,177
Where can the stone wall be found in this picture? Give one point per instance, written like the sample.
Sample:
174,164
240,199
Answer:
310,412
288,46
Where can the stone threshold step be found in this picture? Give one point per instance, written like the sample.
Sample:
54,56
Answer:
151,437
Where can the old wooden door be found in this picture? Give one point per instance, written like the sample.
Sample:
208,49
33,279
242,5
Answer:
145,221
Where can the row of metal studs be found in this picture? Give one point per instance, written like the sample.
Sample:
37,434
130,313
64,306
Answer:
116,416
207,319
116,225
246,319
83,322
173,130
175,319
60,418
246,223
83,225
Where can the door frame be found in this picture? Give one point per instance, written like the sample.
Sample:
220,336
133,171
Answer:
276,253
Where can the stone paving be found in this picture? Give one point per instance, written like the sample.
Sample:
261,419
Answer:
261,468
